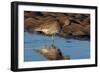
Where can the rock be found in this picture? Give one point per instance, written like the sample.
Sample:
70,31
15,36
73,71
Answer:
31,24
61,24
63,20
79,18
76,29
29,14
50,14
52,53
87,29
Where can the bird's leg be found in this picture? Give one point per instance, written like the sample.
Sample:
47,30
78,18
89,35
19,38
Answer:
45,42
53,39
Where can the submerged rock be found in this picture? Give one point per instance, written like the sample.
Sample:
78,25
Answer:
52,53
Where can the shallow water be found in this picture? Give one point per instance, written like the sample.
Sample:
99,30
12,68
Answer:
76,49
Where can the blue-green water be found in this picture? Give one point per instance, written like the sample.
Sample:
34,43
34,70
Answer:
76,49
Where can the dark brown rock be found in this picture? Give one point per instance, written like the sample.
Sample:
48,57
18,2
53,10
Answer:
63,24
49,14
63,20
29,14
75,29
31,24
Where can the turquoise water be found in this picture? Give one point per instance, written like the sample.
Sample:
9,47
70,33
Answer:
76,49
